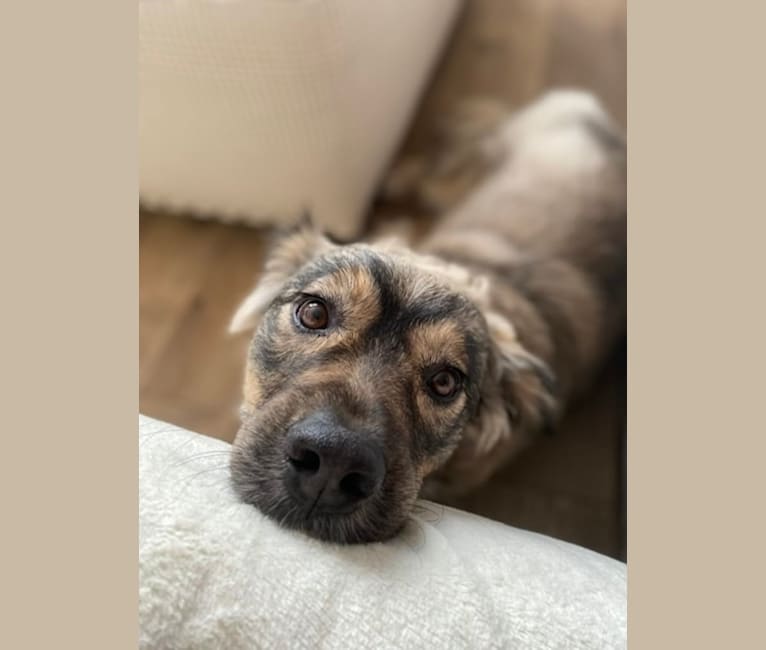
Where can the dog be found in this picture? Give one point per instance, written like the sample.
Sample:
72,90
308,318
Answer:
382,371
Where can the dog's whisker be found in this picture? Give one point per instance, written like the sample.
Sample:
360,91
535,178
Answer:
188,481
201,456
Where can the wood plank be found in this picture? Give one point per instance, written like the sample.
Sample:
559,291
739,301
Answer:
191,369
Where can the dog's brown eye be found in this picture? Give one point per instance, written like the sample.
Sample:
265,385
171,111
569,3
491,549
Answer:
445,383
313,314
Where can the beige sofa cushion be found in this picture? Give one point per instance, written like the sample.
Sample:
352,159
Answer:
255,110
215,573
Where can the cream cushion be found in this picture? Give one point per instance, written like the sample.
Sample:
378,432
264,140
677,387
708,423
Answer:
215,573
257,110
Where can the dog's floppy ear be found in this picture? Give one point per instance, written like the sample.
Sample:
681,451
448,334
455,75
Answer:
529,389
291,251
526,383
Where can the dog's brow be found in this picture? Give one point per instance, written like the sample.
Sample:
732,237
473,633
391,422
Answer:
343,281
439,342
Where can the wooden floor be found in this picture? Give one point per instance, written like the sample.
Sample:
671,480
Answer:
193,274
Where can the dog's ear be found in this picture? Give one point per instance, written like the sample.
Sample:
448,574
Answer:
529,390
527,385
293,249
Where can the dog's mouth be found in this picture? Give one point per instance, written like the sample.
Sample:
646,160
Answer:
367,521
348,527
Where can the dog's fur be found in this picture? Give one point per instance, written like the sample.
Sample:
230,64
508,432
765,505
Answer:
521,287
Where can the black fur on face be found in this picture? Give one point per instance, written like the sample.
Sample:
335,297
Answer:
375,367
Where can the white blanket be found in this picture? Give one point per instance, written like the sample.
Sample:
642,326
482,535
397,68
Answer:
215,573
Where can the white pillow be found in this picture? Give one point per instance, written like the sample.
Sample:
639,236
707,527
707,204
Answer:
215,573
258,109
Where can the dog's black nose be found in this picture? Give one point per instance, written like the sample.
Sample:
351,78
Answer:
331,468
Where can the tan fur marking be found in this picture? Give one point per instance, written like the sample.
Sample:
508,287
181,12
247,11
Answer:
437,342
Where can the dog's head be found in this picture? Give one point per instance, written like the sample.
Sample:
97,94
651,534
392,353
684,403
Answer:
371,368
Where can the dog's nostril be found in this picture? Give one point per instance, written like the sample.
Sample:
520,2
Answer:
355,485
305,460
